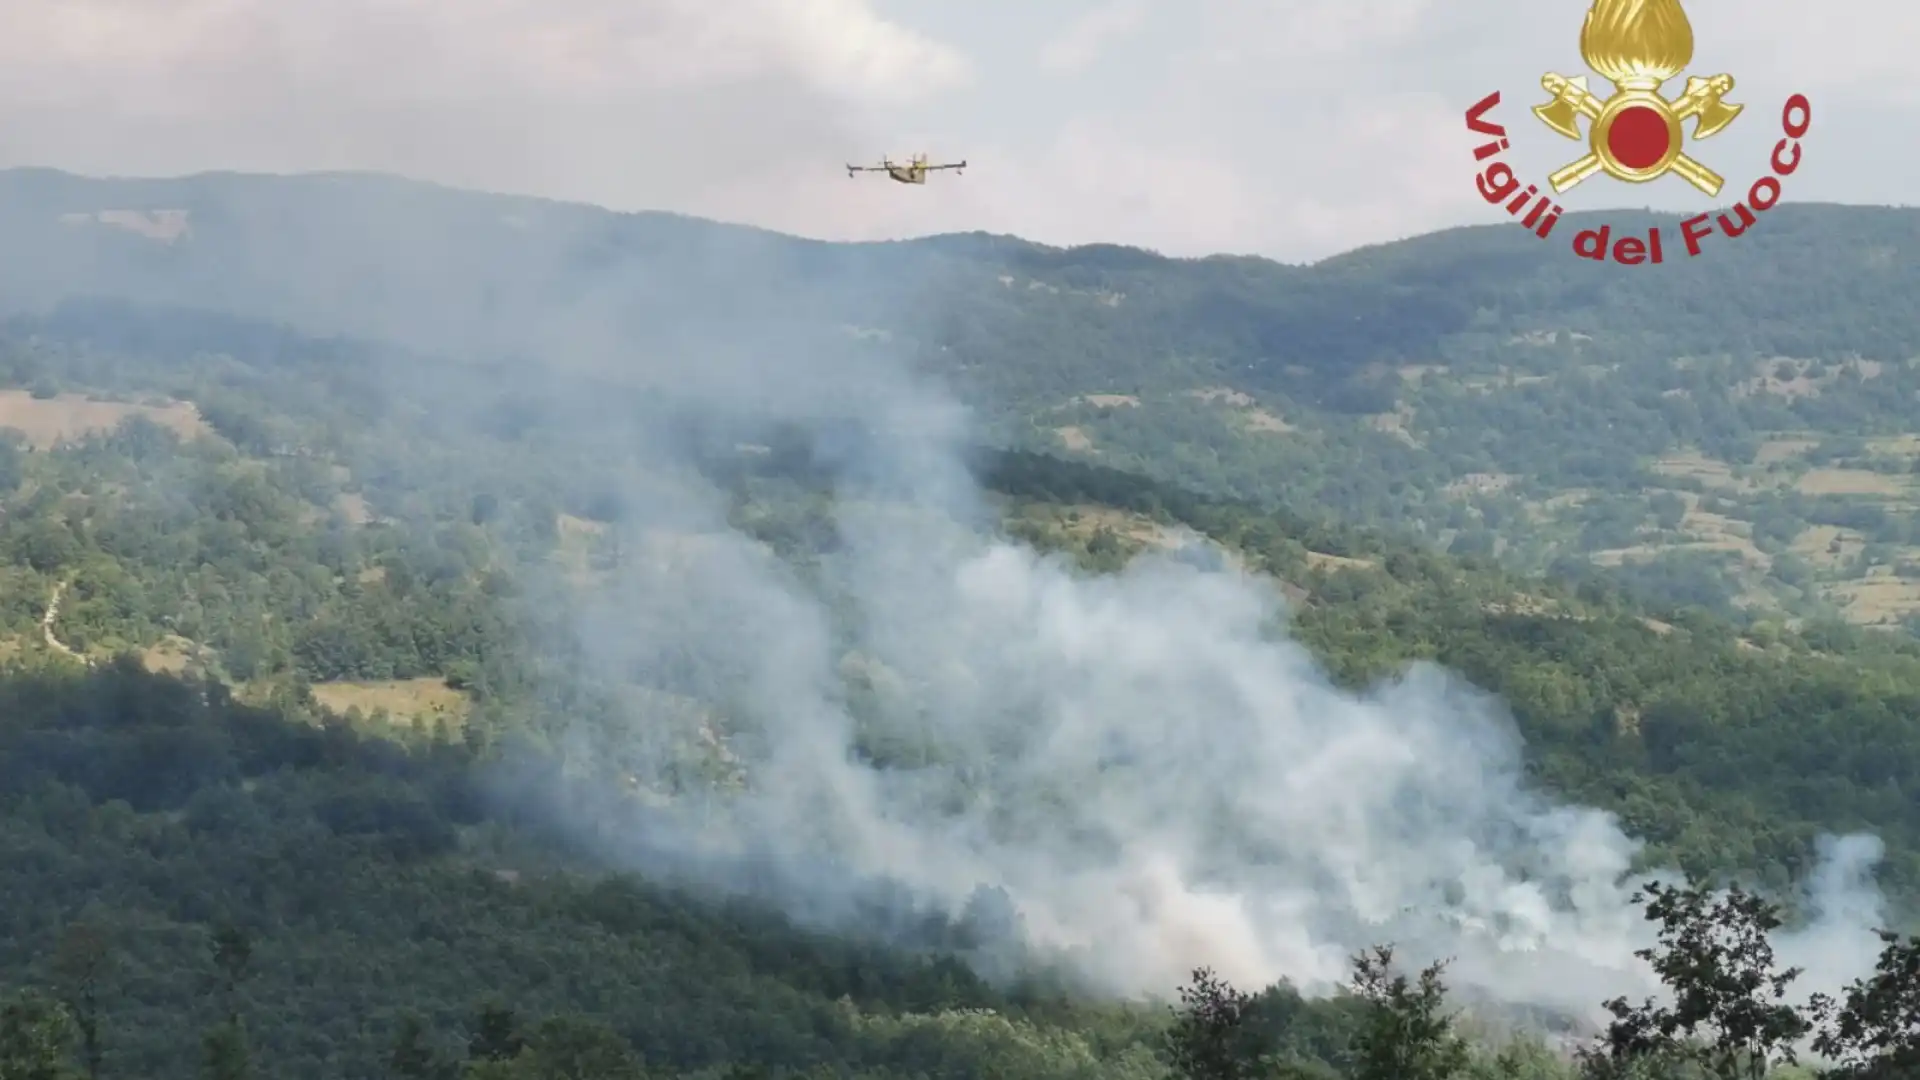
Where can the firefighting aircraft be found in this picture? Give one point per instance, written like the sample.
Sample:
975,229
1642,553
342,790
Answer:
914,172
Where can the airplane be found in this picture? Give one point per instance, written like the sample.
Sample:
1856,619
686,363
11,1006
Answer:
914,172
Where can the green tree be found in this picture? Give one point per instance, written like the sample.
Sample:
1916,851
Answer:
232,953
496,1034
411,1056
1407,1033
224,1054
83,959
1211,1037
36,1039
1875,1031
1729,1017
572,1048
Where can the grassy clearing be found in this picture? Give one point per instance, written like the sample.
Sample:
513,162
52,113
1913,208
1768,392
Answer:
51,421
1222,395
1702,469
1553,507
1320,560
1720,533
1506,379
1896,445
1398,423
1083,521
420,701
1878,599
1074,439
1522,604
578,539
1251,416
1853,482
1788,378
1781,450
1828,546
1481,484
578,528
173,656
354,508
1617,557
1264,421
1703,532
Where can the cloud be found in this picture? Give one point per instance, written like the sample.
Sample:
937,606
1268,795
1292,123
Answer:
413,49
1076,49
1293,130
844,45
630,105
1247,31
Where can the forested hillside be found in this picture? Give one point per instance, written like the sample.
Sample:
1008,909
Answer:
449,635
295,578
1730,432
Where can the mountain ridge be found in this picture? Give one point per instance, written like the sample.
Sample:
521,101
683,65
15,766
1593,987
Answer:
422,263
12,179
1391,384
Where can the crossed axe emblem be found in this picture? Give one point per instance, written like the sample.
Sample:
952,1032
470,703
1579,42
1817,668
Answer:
1635,134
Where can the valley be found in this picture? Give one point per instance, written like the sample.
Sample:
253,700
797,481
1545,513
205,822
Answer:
701,651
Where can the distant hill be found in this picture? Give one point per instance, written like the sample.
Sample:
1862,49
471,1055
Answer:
1734,431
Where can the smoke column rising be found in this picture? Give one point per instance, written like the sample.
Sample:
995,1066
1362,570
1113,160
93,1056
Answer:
1149,769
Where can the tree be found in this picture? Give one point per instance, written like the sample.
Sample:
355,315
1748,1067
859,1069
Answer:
496,1035
82,960
1728,1016
411,1057
36,1039
559,1048
224,1051
572,1048
1875,1034
232,954
485,508
224,1054
1211,1038
1406,1035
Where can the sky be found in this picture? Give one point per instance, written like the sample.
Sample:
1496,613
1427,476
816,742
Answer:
1294,129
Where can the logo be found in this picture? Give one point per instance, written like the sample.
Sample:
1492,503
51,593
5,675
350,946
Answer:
1635,135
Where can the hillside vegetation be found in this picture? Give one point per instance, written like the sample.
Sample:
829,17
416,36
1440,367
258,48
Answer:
311,763
1732,432
332,577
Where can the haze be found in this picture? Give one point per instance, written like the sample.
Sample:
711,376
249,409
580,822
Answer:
1293,130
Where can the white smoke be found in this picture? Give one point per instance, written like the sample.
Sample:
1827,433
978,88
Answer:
1846,908
1152,774
1149,769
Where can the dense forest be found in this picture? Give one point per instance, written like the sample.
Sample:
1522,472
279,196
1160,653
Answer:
305,706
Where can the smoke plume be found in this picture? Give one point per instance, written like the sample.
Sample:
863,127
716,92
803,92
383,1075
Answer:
1133,775
930,724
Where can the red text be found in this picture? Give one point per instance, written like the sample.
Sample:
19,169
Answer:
1795,118
1496,182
